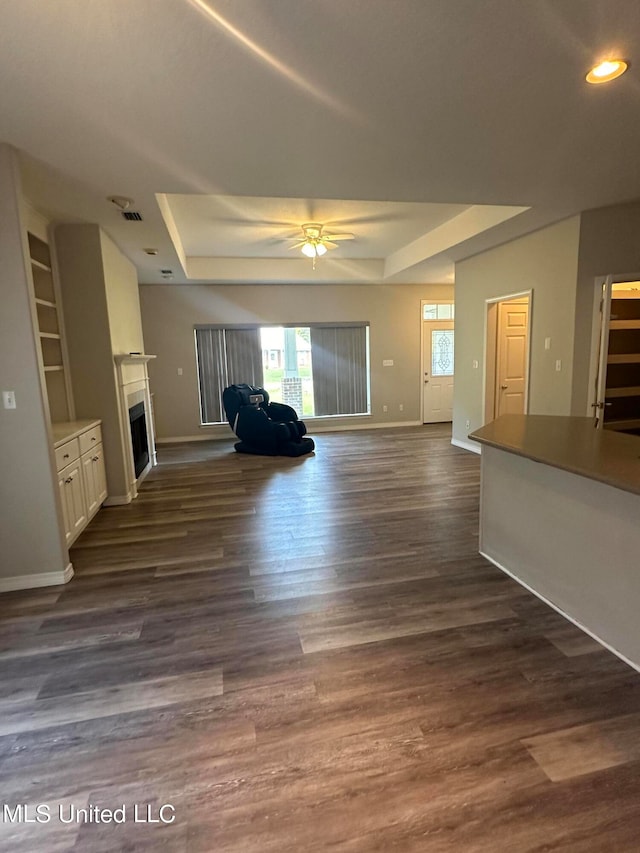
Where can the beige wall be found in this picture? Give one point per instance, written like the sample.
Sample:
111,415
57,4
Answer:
102,317
123,300
609,244
169,313
546,263
30,538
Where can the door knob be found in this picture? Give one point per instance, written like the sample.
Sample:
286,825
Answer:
426,381
504,387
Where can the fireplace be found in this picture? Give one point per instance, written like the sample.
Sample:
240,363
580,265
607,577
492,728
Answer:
136,426
139,442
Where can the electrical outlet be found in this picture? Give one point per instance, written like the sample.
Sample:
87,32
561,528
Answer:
9,399
401,407
387,362
468,424
558,365
474,364
547,343
385,408
179,371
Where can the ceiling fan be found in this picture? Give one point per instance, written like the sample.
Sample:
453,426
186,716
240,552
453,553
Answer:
315,243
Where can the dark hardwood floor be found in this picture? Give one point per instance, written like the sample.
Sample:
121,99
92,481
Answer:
304,655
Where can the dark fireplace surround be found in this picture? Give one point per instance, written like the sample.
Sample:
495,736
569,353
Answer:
139,442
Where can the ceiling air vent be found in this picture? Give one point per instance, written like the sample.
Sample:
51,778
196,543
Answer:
132,215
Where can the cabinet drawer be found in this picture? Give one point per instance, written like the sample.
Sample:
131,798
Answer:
90,438
67,453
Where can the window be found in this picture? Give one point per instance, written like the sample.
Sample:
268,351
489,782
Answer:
339,360
441,311
442,352
319,370
225,356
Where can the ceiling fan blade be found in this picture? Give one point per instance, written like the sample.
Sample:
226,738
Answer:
298,245
339,236
251,222
329,244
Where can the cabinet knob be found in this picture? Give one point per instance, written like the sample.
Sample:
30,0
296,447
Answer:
66,456
95,458
69,480
93,438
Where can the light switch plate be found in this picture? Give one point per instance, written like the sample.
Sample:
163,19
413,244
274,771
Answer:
9,399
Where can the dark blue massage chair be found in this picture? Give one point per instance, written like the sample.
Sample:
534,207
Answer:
264,428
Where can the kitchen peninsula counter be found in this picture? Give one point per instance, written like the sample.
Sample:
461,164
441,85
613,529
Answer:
571,444
560,513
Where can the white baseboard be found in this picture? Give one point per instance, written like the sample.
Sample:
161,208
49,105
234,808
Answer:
473,446
349,427
311,426
181,439
117,500
33,581
562,613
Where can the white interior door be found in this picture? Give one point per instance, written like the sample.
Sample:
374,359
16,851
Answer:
511,357
438,352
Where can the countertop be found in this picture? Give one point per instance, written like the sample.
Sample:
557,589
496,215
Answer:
66,430
571,444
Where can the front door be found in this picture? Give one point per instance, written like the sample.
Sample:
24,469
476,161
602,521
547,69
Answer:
511,357
438,371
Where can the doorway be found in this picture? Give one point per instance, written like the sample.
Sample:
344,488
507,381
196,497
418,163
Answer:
437,361
617,383
507,355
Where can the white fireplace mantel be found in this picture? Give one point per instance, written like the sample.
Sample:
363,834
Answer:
133,381
133,358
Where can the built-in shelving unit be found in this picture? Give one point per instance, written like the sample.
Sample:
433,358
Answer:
624,324
625,358
49,329
622,396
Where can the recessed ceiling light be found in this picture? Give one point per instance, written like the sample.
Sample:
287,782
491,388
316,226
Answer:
607,70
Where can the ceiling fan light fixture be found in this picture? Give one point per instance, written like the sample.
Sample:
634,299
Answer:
606,71
314,243
312,230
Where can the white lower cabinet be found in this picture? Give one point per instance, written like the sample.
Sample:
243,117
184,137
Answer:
73,500
94,480
81,474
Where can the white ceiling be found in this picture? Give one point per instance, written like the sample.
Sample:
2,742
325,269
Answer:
366,110
259,227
